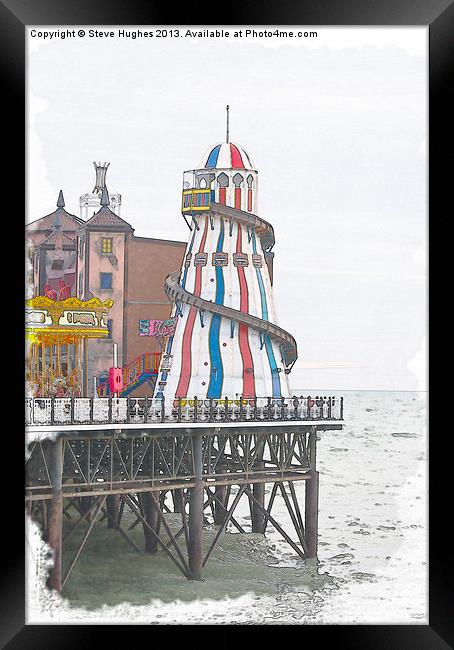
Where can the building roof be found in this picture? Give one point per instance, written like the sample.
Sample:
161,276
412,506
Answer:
106,217
226,155
58,239
61,218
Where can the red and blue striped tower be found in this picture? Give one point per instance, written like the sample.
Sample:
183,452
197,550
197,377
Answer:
227,342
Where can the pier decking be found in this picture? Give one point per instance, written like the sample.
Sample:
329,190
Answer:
101,456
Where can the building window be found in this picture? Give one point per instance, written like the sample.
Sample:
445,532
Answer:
81,283
109,328
106,280
106,245
57,265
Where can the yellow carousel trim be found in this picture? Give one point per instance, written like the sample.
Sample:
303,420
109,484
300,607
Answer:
71,303
61,333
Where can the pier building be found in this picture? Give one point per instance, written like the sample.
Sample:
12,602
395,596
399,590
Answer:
222,422
98,255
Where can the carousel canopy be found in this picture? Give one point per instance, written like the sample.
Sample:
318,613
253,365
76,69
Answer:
66,320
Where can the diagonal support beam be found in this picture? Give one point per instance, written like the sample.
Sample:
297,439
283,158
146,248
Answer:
295,522
277,526
84,540
214,498
270,505
136,511
297,508
120,530
83,515
227,519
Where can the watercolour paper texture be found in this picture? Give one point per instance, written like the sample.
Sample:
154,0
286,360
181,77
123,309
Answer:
325,139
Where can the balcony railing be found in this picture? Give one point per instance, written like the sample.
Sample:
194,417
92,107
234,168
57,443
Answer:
147,363
142,410
195,200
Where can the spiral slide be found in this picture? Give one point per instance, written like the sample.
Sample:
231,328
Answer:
176,291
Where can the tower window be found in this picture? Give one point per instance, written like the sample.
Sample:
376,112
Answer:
109,328
238,180
223,180
106,280
106,245
250,180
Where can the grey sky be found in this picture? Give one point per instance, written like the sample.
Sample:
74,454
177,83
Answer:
336,128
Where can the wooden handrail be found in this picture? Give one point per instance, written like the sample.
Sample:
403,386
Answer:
139,365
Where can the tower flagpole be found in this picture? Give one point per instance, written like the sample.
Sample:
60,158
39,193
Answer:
227,136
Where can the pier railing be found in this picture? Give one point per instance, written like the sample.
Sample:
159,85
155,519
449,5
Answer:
124,410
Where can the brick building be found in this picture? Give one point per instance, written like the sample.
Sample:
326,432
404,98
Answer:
52,246
101,257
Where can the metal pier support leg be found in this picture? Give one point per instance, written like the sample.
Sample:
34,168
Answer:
178,495
113,508
258,518
311,514
220,510
258,491
311,505
86,504
178,503
151,514
196,513
55,519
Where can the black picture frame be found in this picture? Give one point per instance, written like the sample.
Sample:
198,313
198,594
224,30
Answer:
15,15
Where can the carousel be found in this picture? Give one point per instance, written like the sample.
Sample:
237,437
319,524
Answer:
57,335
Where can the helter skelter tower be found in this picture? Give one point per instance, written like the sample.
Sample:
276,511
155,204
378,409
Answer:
227,342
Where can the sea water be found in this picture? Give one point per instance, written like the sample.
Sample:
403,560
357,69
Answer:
373,511
372,553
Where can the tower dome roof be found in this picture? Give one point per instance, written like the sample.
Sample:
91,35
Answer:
226,155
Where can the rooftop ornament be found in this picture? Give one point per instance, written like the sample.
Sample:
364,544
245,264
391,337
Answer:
101,171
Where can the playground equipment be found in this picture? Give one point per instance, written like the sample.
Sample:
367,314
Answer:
143,369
